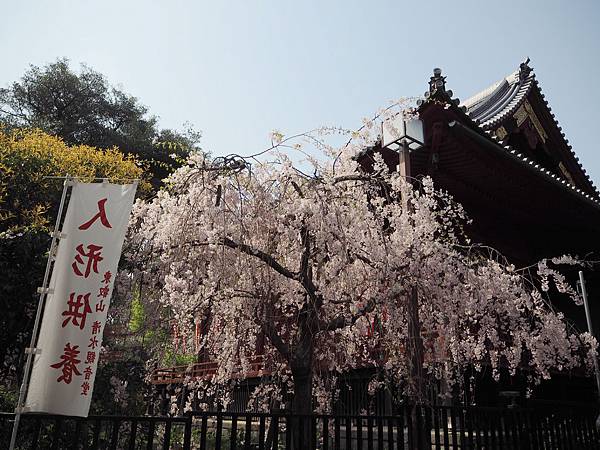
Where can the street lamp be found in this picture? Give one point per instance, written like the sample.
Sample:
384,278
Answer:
402,134
400,130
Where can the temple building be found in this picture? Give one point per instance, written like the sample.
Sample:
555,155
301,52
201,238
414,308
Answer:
501,154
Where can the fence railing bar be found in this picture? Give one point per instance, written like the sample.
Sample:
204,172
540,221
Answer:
425,426
275,428
470,429
535,436
436,426
348,433
288,433
370,433
203,430
77,435
132,434
313,431
379,433
487,431
454,430
553,433
219,431
588,433
150,441
167,435
187,434
390,430
233,433
114,438
96,436
247,432
261,433
493,421
359,437
445,427
337,439
463,427
325,422
298,439
409,428
568,433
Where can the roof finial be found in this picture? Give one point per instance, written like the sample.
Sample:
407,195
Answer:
524,69
437,83
437,89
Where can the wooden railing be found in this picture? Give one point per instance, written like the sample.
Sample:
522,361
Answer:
204,370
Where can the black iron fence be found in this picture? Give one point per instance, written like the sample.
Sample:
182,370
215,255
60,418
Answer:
411,428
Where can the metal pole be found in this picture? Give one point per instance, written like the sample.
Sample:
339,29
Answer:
588,318
42,300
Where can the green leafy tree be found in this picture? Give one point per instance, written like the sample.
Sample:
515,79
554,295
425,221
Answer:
83,108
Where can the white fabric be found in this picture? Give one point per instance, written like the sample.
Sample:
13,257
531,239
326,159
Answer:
79,270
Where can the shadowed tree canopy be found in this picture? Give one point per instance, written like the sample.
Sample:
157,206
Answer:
83,108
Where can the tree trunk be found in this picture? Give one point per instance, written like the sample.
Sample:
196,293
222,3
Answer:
302,407
416,385
415,348
302,403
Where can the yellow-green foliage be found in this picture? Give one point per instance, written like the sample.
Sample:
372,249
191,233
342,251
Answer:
138,315
28,157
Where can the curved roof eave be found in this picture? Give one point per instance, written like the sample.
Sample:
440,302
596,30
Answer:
492,105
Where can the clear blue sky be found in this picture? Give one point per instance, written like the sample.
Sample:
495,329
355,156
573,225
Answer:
237,70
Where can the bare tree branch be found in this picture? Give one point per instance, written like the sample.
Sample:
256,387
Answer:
342,321
270,332
352,178
264,257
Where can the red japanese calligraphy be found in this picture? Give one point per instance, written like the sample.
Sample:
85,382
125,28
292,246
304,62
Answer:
96,326
93,258
93,342
68,362
100,306
87,372
103,292
73,314
100,215
107,277
90,357
85,388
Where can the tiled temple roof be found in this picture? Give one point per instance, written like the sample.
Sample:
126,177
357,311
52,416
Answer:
492,105
487,110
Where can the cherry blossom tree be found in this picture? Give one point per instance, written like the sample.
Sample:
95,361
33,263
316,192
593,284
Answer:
306,256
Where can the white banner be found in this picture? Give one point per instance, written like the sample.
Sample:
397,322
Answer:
70,338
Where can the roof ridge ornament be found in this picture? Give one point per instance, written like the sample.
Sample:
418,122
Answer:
437,86
524,69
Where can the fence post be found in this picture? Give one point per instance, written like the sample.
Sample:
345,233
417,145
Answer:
116,423
325,433
132,434
248,432
187,434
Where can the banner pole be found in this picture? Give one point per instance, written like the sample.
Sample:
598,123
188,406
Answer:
43,291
